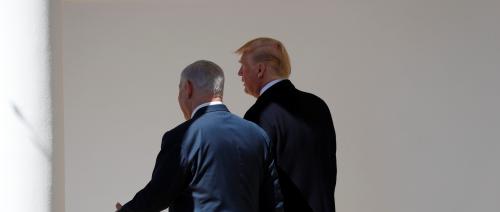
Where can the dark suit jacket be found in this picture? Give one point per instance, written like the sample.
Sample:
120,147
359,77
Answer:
215,161
301,130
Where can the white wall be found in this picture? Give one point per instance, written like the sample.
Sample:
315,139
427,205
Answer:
27,109
414,83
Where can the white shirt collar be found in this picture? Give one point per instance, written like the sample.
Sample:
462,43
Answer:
269,84
205,104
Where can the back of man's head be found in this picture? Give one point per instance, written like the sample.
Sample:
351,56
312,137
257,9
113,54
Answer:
269,51
206,77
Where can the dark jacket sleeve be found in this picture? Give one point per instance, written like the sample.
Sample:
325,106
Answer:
271,198
167,180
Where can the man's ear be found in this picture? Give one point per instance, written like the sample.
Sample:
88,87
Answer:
262,69
189,89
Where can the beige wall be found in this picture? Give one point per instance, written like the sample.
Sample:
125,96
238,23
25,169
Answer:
414,84
57,91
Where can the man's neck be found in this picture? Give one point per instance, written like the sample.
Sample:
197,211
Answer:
269,84
200,104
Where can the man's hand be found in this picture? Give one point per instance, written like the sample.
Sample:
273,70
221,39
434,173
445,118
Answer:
118,206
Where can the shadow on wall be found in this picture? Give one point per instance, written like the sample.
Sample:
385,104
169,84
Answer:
34,136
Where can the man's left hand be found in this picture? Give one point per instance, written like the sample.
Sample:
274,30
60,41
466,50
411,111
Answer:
118,206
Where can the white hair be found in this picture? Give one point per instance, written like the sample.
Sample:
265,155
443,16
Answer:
206,76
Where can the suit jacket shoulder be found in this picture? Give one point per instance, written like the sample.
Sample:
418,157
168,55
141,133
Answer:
302,134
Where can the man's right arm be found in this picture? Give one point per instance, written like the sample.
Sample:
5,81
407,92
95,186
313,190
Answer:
167,180
271,196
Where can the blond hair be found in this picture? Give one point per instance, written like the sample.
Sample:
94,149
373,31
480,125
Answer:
269,51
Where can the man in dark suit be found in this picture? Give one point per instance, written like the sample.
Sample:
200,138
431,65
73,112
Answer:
299,125
215,161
